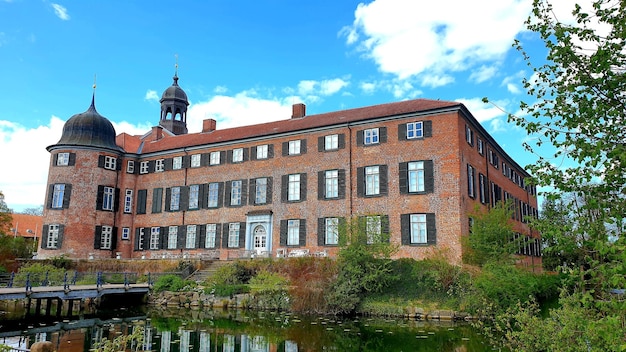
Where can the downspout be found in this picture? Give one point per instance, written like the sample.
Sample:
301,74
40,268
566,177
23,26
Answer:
350,170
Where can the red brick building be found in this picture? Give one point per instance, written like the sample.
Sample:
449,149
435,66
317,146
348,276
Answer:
413,169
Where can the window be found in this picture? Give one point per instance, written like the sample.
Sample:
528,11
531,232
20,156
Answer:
213,197
235,192
261,151
373,229
191,237
371,136
195,160
418,228
493,158
194,196
214,158
294,147
126,233
331,226
154,237
260,196
57,196
469,135
470,181
130,167
480,146
293,193
293,232
482,188
108,198
105,237
233,235
237,155
331,142
160,165
175,199
415,176
110,163
128,201
63,159
144,167
331,184
53,236
414,130
372,180
211,235
172,237
177,163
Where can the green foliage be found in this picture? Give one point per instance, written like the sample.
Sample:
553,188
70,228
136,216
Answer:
12,248
62,262
5,348
38,272
227,290
492,236
172,283
128,342
5,217
270,290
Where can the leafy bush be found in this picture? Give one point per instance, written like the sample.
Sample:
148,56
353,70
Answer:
172,283
38,273
227,290
62,262
270,290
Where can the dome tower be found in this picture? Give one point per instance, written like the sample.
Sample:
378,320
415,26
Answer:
174,108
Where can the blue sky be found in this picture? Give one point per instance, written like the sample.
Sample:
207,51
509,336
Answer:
245,62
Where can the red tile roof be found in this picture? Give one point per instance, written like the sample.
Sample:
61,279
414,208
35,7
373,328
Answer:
26,225
290,125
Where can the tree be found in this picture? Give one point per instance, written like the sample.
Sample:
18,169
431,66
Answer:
492,239
6,220
33,211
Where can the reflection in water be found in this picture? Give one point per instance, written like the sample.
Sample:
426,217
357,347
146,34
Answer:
193,330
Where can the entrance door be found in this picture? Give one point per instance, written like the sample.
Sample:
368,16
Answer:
260,239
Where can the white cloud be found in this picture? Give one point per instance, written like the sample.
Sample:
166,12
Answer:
512,88
484,112
60,11
332,86
407,38
483,73
152,95
220,90
368,87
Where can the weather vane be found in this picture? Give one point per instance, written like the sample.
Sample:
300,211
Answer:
94,82
176,65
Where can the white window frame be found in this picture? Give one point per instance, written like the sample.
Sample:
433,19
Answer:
214,158
237,155
144,167
108,198
480,146
293,191
192,232
469,135
331,142
177,163
331,182
371,136
175,198
293,232
172,237
415,130
125,233
471,185
194,196
154,237
63,159
159,165
211,236
141,236
261,151
372,180
58,193
418,228
128,201
260,196
415,176
196,160
53,236
294,147
110,163
233,235
235,192
130,167
332,231
213,195
106,237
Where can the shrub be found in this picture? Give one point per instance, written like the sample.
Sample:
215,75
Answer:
38,273
227,290
270,290
172,283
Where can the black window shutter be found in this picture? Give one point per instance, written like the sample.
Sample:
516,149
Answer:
223,159
118,164
200,236
67,195
184,198
242,234
429,176
218,235
225,235
244,192
384,224
229,156
341,180
136,244
205,159
186,163
168,199
431,230
283,232
303,146
220,194
97,237
146,238
428,128
341,141
253,153
157,199
384,180
285,148
359,138
50,195
181,235
360,181
117,200
405,229
246,154
320,144
382,134
168,164
99,197
302,233
163,238
321,231
114,238
44,236
402,177
151,166
100,160
141,201
270,190
202,196
55,159
402,132
270,151
72,160
227,190
321,183
60,238
252,191
302,187
284,187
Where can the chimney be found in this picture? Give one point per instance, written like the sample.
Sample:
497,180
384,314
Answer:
157,133
299,110
208,125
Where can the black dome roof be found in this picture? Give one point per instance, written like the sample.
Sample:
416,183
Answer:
174,92
89,129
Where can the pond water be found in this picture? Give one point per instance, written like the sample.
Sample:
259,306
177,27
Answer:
198,330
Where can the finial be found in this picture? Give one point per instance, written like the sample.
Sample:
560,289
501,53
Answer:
93,95
176,65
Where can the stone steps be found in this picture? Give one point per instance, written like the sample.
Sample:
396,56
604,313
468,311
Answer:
202,275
